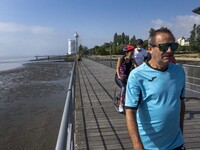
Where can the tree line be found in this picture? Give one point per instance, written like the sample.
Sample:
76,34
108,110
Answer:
120,40
195,38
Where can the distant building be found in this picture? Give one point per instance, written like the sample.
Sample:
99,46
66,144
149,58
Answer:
183,41
71,46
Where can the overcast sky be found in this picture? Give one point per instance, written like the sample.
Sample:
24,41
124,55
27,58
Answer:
38,27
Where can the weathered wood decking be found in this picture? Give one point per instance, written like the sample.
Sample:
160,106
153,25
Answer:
99,126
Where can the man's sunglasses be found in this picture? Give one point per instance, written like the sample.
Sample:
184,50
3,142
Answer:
164,47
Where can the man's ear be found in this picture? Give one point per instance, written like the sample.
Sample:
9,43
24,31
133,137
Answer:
149,49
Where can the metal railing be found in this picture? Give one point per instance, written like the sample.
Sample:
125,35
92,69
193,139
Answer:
65,138
192,80
192,76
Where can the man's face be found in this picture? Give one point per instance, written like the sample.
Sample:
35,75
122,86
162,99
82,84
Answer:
139,46
159,56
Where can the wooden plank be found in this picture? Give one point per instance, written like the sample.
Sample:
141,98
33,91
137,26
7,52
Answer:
99,126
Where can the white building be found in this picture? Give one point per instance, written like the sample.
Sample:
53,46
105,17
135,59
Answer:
183,42
71,46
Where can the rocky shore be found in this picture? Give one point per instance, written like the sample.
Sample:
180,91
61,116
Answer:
32,99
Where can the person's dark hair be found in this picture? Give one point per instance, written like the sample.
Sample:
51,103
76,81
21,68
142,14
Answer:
152,36
139,42
127,48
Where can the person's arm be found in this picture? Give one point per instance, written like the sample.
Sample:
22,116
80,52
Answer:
182,115
118,67
134,63
133,129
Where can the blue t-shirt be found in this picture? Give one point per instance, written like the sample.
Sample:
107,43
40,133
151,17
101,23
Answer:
157,97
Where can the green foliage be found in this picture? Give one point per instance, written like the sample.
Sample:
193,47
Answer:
132,41
116,47
195,38
145,44
119,41
183,49
151,30
100,50
83,50
119,49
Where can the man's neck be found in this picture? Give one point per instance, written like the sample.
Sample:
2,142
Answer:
157,66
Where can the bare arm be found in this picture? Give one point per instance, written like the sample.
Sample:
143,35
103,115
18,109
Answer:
182,115
133,129
118,67
134,63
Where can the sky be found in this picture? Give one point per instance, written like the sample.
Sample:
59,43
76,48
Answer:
43,27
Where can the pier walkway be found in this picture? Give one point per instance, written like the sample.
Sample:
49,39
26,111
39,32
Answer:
99,126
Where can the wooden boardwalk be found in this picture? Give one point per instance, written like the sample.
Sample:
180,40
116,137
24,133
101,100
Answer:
99,126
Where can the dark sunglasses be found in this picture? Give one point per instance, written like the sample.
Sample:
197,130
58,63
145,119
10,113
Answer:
164,47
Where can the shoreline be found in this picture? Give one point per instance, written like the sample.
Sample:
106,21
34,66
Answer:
11,62
32,100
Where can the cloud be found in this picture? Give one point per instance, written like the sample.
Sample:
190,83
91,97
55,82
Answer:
19,39
13,27
180,25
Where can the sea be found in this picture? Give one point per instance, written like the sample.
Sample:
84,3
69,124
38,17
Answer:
12,62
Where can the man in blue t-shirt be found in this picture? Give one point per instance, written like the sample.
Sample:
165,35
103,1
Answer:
154,97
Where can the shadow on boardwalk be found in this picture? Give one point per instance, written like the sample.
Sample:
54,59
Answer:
99,126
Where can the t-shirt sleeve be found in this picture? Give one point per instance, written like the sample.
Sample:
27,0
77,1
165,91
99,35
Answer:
132,92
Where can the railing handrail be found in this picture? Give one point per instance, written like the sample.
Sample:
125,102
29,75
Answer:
65,138
113,65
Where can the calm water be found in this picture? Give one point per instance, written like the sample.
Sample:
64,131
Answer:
7,63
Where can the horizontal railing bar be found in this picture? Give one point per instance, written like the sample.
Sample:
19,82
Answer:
192,90
193,77
193,84
185,65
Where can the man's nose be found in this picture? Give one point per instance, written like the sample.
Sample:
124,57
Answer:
169,49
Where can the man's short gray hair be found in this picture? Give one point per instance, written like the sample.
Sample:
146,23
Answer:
152,36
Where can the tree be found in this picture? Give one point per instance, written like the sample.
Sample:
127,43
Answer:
132,41
123,38
195,38
115,39
151,30
82,50
192,37
145,44
198,37
120,40
127,39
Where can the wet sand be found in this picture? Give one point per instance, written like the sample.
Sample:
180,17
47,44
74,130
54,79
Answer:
32,99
